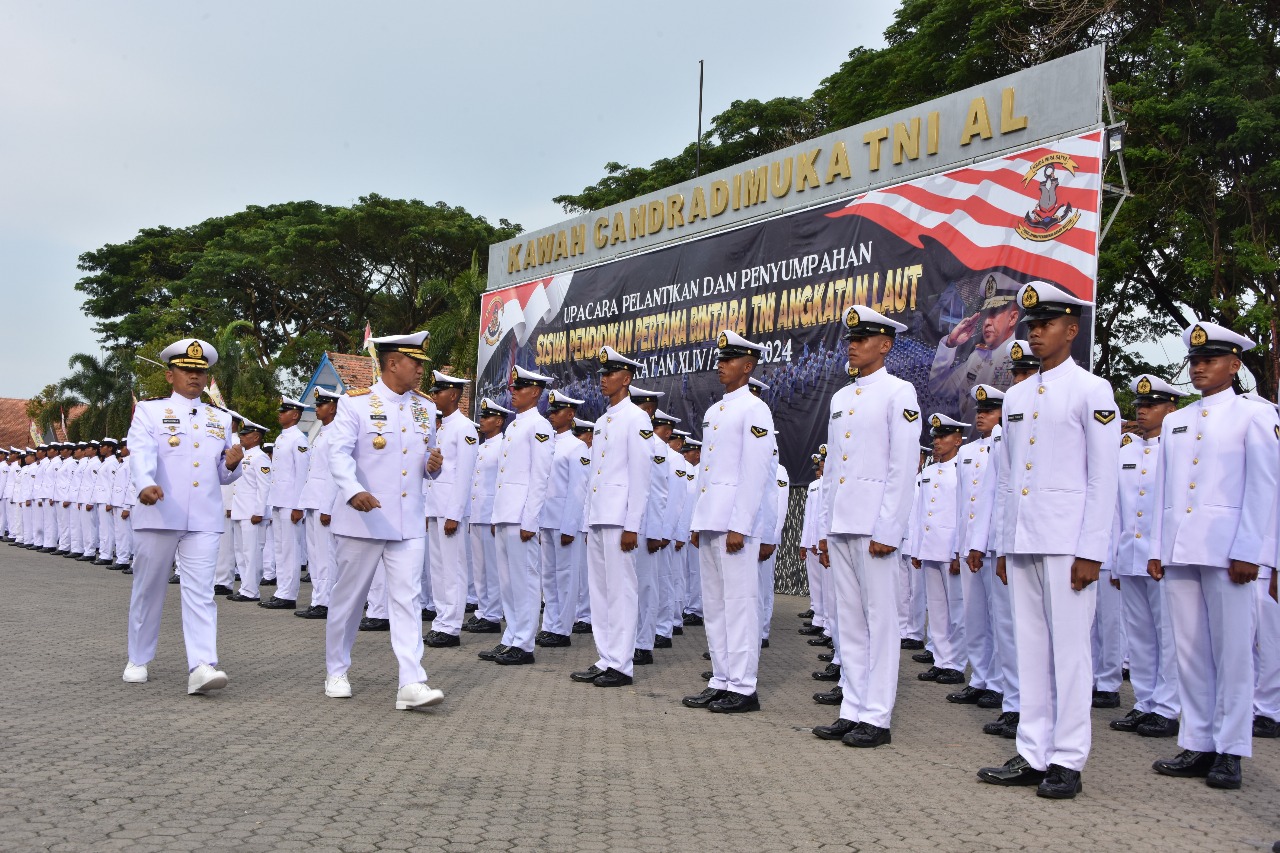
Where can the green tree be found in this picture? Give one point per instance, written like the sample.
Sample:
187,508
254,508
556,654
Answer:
105,387
455,324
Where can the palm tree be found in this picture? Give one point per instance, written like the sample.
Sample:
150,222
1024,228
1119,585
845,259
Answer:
239,371
105,387
455,331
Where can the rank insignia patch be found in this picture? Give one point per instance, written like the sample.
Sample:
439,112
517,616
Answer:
646,434
541,436
1104,416
759,432
910,415
469,439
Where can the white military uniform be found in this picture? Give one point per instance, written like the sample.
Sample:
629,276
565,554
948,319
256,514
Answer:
484,553
775,517
737,471
248,499
562,515
809,542
289,465
657,525
317,499
449,498
103,487
380,441
692,562
89,468
123,496
179,445
1057,479
934,545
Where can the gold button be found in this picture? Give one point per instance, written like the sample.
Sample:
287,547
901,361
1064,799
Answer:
195,464
1139,513
1035,416
1195,461
1146,450
1204,413
404,494
856,391
1139,535
970,515
845,458
1193,485
1033,439
1188,509
1025,492
971,500
197,483
706,468
594,489
935,485
402,429
926,527
1141,492
846,435
975,482
1028,466
195,444
931,516
405,450
704,488
722,407
609,419
1041,391
1197,436
842,479
404,473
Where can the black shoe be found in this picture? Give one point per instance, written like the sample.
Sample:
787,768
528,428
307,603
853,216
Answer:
1015,771
703,699
128,570
173,578
1187,764
692,619
482,626
764,643
553,641
582,627
315,611
706,655
235,596
1124,674
428,615
827,657
831,673
820,641
808,614
1106,699
274,603
836,730
734,703
660,642
589,674
990,700
514,657
1265,727
83,558
1010,730
222,589
612,678
642,657
676,631
1156,725
1225,772
116,567
968,696
97,562
470,607
267,582
997,726
930,674
925,656
368,623
1060,783
708,675
493,653
811,631
950,676
834,696
441,640
867,736
1129,722
305,577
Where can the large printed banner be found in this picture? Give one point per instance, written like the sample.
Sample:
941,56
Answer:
944,254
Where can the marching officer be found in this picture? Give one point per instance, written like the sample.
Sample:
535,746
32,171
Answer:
873,438
288,475
1060,437
316,500
382,446
174,441
561,522
1215,495
738,470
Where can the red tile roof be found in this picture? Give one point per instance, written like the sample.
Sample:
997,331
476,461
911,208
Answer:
14,423
355,371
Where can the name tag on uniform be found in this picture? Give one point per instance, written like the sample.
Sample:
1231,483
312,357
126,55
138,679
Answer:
925,480
967,461
377,417
1180,429
1013,419
1130,466
835,415
171,421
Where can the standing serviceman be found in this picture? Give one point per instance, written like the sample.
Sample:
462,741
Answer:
621,470
737,479
249,511
288,475
122,497
1060,440
561,523
448,508
181,452
873,455
653,530
316,500
382,446
484,553
103,486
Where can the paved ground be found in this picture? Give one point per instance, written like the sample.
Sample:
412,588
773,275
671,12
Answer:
517,758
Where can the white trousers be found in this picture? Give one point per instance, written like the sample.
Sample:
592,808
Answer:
1266,654
357,560
288,554
647,570
945,603
63,514
1055,666
679,593
51,534
376,598
979,627
89,530
764,570
124,537
484,564
611,577
248,553
106,531
518,577
911,599
583,613
731,611
267,540
1153,661
224,573
1212,622
1001,604
322,558
867,600
75,532
693,582
448,559
426,598
815,573
664,618
832,608
1107,636
151,564
559,581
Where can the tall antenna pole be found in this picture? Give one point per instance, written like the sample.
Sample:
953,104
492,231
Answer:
697,168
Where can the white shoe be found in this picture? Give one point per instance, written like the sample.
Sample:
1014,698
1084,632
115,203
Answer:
135,673
205,678
337,687
418,696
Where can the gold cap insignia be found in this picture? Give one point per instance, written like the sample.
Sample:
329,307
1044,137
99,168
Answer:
722,341
551,398
822,450
989,289
195,350
935,421
1199,337
1015,352
1144,385
604,357
514,374
980,394
1030,299
851,316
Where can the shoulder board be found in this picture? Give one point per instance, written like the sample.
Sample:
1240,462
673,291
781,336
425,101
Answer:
153,399
358,392
418,393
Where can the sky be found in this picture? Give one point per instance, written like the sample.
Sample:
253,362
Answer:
120,116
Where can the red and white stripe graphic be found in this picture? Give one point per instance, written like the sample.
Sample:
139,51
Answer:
974,211
518,309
